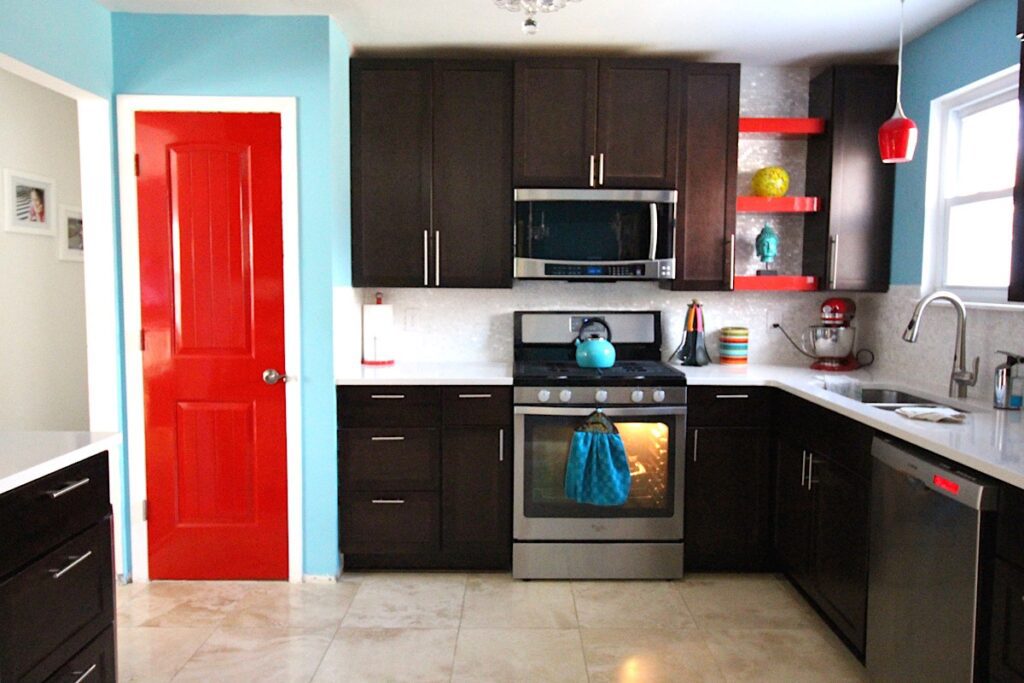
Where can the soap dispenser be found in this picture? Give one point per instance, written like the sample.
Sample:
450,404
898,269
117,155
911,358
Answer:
1007,383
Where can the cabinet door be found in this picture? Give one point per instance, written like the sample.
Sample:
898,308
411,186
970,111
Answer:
1016,292
727,508
391,159
793,510
840,543
472,177
848,243
555,122
1006,662
706,213
476,472
638,122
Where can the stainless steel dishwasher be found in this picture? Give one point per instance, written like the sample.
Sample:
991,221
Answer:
931,541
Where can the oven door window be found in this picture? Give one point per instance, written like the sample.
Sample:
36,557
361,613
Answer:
650,448
592,231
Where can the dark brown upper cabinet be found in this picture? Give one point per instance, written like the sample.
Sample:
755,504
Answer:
848,243
706,213
1016,292
610,123
431,173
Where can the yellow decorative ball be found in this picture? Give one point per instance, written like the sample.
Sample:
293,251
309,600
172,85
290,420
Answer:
772,181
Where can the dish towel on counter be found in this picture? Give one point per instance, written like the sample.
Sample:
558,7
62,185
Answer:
597,470
932,413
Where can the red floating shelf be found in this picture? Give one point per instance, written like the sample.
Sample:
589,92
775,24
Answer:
782,126
777,204
776,283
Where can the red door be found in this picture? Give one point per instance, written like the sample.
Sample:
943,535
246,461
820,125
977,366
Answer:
209,187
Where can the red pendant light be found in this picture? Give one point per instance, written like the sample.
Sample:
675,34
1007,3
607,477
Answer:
897,138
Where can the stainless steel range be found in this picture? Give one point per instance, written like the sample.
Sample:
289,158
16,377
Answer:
557,537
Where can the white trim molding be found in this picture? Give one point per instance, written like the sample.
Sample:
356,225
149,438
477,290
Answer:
127,107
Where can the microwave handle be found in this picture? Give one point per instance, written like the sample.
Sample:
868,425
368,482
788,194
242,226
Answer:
653,249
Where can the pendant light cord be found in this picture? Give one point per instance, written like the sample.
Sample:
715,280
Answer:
899,66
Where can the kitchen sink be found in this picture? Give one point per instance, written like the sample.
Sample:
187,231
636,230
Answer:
893,399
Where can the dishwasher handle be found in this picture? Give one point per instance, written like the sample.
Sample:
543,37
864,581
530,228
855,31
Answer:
968,490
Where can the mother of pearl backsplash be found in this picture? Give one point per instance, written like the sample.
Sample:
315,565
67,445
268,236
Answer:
435,325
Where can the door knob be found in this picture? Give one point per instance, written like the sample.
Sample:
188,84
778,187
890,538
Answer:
272,376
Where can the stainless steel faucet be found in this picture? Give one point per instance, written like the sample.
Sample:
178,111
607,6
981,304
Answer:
960,378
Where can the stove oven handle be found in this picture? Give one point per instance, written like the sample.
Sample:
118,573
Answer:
610,412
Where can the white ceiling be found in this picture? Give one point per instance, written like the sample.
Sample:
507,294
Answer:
766,32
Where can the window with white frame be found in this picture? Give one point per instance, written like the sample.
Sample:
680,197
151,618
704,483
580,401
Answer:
971,177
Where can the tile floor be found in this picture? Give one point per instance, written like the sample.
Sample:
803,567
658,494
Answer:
476,627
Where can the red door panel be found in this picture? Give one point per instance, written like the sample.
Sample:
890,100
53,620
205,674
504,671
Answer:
210,250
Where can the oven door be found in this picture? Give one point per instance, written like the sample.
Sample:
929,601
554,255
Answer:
654,439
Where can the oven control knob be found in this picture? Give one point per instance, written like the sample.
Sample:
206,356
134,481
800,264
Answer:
564,395
543,395
637,396
658,395
601,396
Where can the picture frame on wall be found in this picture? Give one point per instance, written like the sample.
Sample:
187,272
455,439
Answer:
30,203
70,237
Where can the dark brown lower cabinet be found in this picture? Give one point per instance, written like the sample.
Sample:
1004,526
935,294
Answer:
727,509
1006,661
425,477
476,504
822,512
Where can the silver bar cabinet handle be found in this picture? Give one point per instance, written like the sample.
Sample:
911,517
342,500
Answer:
437,258
833,271
600,172
75,561
387,397
82,675
501,445
740,396
803,469
388,501
810,470
591,170
696,440
732,262
387,438
69,488
426,257
475,396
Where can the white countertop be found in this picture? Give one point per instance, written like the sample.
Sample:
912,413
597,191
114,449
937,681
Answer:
425,373
990,441
27,456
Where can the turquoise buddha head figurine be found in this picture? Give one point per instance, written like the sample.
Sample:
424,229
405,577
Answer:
767,244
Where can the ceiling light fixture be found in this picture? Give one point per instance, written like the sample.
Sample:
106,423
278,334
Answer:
532,8
897,138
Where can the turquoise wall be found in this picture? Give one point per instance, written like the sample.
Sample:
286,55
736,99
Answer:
341,158
978,42
270,56
69,39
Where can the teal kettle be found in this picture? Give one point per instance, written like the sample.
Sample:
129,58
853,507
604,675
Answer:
592,350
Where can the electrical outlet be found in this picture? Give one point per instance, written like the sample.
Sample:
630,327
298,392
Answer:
772,318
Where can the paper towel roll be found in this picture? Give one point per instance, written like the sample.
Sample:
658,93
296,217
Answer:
378,329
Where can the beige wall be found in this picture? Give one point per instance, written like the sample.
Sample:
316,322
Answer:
42,299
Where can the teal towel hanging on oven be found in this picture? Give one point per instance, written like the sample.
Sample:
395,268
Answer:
597,471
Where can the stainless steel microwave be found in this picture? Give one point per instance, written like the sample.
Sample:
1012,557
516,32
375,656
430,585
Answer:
595,234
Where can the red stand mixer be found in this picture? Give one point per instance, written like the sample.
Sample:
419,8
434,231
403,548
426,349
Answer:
831,342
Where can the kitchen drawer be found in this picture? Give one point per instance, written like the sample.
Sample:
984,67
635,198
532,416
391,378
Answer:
388,406
1006,653
95,663
392,523
65,595
41,514
473,406
384,459
728,406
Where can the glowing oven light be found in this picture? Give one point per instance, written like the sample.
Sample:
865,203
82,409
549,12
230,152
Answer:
946,484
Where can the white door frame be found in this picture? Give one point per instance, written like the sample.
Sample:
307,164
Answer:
101,307
127,106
